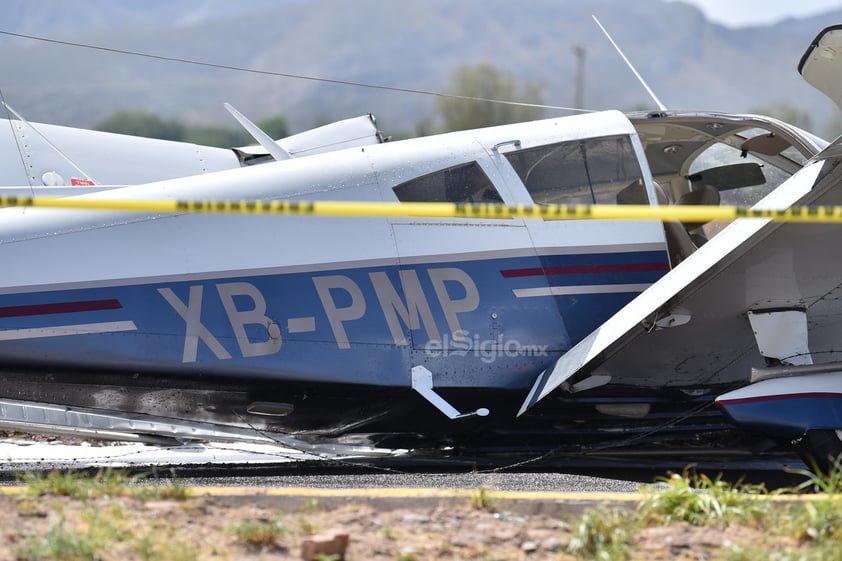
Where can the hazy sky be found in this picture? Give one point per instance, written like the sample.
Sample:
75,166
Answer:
738,13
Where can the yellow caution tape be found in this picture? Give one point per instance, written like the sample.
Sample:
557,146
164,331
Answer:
820,214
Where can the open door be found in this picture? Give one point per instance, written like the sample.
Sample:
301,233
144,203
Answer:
821,65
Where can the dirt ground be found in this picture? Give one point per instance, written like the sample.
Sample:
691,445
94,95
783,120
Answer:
265,527
211,527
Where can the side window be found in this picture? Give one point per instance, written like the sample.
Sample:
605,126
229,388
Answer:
581,172
723,155
466,183
720,155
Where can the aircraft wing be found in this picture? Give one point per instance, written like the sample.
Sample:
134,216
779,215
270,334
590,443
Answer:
59,156
70,161
693,328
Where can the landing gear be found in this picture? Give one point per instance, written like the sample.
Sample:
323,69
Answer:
822,449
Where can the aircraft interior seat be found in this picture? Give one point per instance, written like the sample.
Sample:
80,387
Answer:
703,195
679,243
661,194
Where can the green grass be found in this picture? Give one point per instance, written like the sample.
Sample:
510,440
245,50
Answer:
170,550
312,505
306,526
483,499
699,501
98,530
823,552
327,557
817,521
83,541
259,533
99,533
809,530
77,485
60,543
803,530
603,534
816,480
108,483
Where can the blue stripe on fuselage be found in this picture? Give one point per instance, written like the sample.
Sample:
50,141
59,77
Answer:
364,325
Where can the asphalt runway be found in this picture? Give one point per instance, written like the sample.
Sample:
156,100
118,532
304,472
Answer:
238,466
554,482
581,480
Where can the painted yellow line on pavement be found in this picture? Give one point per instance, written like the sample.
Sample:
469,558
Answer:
819,214
389,493
424,493
415,493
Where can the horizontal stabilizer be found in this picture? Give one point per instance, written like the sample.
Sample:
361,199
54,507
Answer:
266,141
348,133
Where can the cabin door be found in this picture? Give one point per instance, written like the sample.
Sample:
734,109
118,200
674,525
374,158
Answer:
589,268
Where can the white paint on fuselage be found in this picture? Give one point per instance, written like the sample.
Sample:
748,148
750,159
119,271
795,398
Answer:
58,247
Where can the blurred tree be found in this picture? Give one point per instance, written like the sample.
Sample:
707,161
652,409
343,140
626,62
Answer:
275,126
141,123
786,112
425,127
216,136
640,106
486,81
832,128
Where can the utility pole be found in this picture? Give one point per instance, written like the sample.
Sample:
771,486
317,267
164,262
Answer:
579,100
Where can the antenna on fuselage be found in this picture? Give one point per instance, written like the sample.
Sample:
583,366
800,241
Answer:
640,79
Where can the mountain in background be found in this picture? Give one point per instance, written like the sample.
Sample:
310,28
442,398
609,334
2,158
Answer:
688,61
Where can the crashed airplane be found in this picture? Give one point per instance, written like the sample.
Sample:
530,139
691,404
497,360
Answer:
456,339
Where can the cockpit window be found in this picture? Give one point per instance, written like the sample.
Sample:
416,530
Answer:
593,171
461,184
